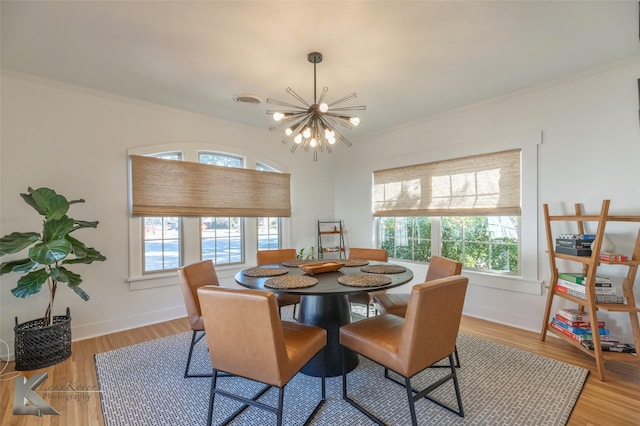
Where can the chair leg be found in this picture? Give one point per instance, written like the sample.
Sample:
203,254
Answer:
457,357
214,379
194,340
280,404
349,400
323,388
412,403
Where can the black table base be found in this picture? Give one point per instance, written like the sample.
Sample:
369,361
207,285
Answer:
329,312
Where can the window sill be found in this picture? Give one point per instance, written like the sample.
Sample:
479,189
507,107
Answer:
165,279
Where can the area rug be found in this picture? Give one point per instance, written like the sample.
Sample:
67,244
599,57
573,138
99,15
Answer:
143,384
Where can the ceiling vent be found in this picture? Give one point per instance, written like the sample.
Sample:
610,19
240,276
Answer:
247,99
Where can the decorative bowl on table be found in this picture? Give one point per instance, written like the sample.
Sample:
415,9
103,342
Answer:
320,267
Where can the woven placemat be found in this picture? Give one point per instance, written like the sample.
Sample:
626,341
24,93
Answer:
298,262
291,281
265,272
364,280
356,262
383,269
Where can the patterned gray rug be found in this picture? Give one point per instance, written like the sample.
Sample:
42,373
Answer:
143,385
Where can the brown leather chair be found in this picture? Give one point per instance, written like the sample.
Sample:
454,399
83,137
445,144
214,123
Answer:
396,303
251,341
192,277
409,345
267,257
366,254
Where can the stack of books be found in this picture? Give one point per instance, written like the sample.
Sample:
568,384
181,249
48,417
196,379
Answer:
613,257
577,325
573,284
575,244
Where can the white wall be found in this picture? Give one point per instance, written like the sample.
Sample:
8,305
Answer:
75,142
591,152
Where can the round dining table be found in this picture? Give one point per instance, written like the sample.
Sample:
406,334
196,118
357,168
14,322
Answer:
325,304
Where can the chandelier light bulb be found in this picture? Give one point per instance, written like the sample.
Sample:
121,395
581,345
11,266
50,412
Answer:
307,133
298,138
331,140
313,143
355,121
277,116
324,107
288,131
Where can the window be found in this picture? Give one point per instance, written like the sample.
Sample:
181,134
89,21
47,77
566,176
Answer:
484,243
455,209
162,237
269,228
182,210
221,238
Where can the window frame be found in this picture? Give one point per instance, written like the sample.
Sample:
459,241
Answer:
191,251
528,142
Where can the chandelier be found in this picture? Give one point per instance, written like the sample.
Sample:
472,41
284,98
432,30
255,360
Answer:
313,126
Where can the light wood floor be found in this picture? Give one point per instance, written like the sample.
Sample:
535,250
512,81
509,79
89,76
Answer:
614,402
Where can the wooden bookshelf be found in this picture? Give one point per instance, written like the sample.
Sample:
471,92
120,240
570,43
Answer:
590,265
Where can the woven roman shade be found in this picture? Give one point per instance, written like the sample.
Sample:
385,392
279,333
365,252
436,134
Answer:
181,188
480,185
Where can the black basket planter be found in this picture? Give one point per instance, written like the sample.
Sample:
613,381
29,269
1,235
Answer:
37,346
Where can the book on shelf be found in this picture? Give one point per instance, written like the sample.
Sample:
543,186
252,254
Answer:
613,257
573,251
583,237
606,288
586,323
579,278
578,330
608,346
573,314
581,337
600,298
573,243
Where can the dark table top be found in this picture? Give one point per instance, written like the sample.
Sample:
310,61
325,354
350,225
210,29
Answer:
327,282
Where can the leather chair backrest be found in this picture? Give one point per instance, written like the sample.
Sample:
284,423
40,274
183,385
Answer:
266,257
369,254
245,329
192,277
440,267
432,322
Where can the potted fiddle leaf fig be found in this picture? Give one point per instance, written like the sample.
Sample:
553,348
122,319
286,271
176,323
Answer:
51,251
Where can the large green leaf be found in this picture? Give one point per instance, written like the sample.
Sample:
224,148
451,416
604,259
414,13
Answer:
47,202
17,241
57,229
31,283
22,265
85,224
50,252
66,276
90,255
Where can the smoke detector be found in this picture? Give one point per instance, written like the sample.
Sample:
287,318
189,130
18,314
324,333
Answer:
247,99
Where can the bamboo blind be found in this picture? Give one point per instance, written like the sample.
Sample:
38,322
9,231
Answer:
479,185
162,187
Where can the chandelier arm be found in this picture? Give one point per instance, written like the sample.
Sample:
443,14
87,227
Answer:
350,108
298,97
281,103
343,139
338,119
287,123
324,92
346,98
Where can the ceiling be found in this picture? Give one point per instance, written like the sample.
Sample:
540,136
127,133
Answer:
407,60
